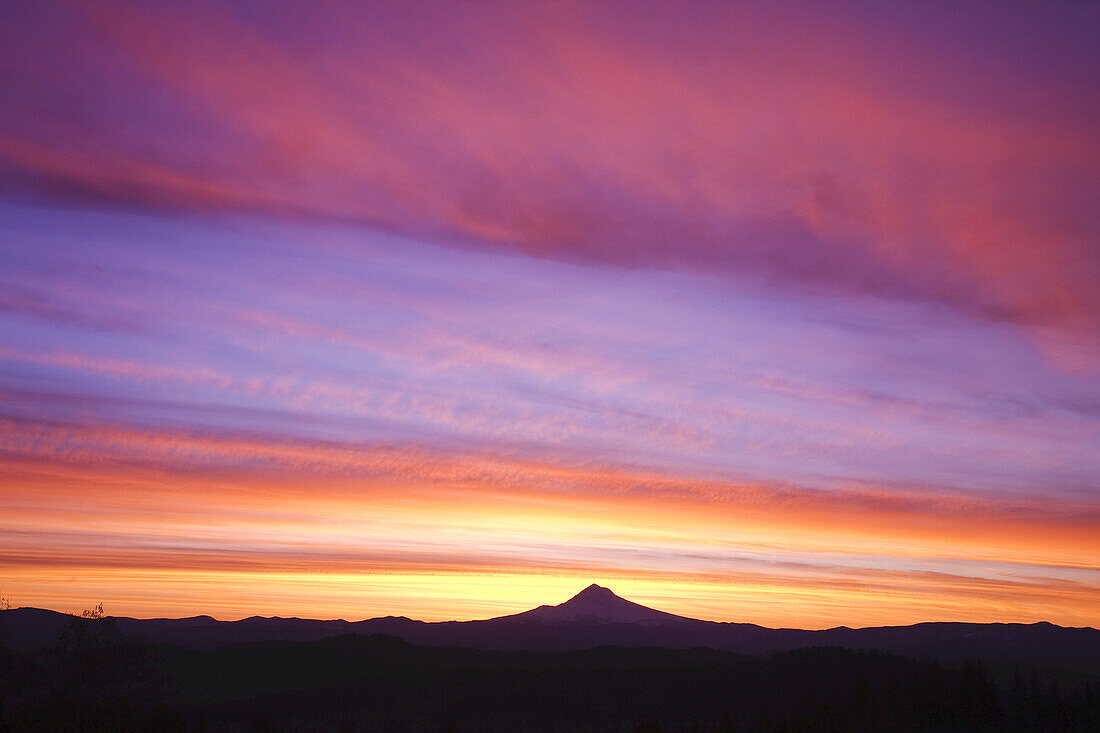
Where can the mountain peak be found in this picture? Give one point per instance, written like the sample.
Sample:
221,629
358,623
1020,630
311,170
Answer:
594,591
596,604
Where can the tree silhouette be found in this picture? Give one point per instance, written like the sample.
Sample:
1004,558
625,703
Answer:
99,679
92,631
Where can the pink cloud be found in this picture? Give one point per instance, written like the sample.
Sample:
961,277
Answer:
773,149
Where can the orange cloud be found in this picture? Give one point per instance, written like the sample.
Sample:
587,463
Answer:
112,502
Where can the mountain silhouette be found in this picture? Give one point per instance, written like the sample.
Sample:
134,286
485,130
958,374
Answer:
598,617
596,604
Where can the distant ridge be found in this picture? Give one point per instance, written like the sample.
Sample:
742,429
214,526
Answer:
597,617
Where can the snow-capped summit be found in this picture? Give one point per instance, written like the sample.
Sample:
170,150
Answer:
596,604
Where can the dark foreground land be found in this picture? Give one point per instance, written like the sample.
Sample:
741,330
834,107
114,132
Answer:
91,678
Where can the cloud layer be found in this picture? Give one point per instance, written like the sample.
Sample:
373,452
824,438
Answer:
748,309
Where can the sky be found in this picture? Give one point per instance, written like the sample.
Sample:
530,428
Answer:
783,313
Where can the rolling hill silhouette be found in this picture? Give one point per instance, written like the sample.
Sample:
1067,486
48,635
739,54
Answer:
597,617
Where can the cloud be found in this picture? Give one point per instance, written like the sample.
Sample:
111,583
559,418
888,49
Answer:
331,477
773,150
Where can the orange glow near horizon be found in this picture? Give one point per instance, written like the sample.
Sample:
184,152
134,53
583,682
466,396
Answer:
423,539
441,596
